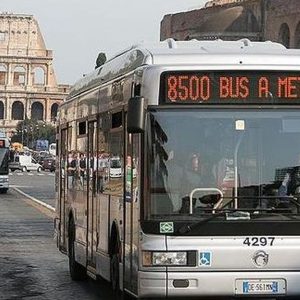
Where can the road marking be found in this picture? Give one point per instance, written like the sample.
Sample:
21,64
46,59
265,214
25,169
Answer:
32,174
20,186
49,210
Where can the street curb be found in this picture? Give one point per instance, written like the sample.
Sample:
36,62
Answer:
43,207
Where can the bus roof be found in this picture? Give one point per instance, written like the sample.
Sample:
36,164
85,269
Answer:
171,52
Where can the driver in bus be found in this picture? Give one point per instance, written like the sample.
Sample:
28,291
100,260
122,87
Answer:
193,172
196,175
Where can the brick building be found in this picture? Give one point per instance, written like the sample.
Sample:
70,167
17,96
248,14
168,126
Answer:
260,20
28,87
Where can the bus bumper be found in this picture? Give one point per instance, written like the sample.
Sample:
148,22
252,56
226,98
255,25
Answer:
156,284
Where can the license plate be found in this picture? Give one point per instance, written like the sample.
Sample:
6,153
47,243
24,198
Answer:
260,286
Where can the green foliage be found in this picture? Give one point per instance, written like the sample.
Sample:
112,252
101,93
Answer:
30,130
101,59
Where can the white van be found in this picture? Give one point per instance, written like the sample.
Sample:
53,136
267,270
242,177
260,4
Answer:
52,149
25,163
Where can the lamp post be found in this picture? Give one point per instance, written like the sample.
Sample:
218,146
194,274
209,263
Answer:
38,132
22,133
31,131
24,130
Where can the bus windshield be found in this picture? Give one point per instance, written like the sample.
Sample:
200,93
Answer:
4,157
202,161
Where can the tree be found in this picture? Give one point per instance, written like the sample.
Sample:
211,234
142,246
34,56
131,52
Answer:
30,130
47,132
101,59
23,131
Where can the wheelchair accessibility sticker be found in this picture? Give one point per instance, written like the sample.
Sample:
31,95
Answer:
205,259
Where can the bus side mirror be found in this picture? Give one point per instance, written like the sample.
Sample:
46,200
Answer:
136,115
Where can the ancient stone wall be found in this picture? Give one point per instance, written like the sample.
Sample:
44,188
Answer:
278,13
277,20
28,86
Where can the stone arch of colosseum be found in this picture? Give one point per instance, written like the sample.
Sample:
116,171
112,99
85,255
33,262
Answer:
19,75
297,36
17,110
37,110
39,74
1,109
54,109
3,73
284,35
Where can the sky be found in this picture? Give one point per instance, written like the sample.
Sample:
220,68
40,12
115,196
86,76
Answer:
77,30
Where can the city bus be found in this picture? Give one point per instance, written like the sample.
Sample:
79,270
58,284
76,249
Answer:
4,160
207,201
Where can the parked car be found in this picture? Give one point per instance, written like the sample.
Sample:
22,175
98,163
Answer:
25,163
49,163
41,156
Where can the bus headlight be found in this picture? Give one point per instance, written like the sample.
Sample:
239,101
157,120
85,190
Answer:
164,259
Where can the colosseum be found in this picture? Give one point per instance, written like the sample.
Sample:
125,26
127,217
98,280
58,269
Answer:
257,20
28,87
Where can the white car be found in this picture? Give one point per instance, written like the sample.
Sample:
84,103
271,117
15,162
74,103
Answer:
115,167
25,163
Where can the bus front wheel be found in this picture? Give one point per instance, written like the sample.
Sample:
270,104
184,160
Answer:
77,271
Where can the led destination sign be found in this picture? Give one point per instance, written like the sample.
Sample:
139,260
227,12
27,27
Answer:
230,87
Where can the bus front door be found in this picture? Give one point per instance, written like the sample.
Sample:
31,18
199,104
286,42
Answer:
91,193
62,169
132,179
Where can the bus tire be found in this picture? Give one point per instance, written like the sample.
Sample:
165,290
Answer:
114,273
77,271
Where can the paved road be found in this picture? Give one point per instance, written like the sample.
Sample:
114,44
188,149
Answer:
31,267
38,185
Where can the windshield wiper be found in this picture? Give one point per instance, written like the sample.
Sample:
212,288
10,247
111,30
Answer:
188,228
237,215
